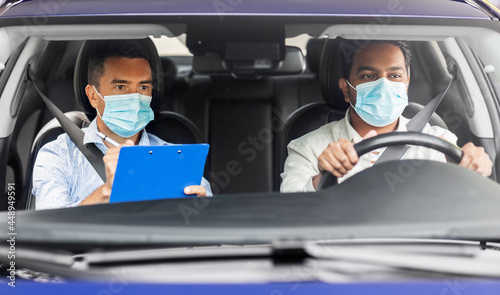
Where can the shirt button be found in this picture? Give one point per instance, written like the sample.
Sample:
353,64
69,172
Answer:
366,156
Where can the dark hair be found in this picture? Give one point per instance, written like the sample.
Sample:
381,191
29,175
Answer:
348,48
100,51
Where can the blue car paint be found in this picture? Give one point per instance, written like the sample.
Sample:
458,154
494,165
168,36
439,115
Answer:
410,8
437,287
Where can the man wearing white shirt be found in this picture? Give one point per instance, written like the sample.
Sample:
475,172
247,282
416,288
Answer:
375,84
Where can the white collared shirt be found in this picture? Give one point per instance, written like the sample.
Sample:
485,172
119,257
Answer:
301,164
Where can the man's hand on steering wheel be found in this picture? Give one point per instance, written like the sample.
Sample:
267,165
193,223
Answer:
476,159
338,158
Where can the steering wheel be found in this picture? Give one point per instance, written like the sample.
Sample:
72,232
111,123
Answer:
398,138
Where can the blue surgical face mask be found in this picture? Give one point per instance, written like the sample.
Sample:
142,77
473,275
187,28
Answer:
126,114
381,102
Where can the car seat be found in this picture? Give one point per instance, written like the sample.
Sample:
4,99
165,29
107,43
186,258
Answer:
323,56
169,126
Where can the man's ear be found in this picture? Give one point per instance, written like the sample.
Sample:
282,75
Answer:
345,88
92,96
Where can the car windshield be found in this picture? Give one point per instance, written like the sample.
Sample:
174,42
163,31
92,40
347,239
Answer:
275,94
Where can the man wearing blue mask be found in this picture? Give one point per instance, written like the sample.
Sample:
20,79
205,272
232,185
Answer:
120,84
375,84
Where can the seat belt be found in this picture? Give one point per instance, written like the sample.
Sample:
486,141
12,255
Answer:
91,152
417,123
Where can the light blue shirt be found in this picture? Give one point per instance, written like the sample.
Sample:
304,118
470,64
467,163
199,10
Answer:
62,176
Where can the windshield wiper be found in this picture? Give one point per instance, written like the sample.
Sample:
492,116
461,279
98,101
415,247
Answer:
467,259
8,4
316,260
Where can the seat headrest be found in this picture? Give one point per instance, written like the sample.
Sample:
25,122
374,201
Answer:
314,48
169,74
80,79
330,71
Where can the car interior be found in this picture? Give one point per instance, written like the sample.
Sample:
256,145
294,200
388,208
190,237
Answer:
248,100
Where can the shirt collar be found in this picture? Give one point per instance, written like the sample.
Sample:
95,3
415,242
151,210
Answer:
92,137
353,136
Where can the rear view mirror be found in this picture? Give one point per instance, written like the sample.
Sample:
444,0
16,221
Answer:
256,60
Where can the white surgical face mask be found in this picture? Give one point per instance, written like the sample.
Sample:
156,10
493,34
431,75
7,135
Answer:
381,102
126,114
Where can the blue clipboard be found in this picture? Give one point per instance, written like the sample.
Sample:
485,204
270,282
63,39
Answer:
157,172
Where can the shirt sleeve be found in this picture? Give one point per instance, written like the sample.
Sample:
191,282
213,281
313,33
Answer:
50,182
300,168
445,135
206,185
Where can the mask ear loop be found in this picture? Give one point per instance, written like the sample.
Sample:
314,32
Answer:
352,88
351,85
408,74
99,114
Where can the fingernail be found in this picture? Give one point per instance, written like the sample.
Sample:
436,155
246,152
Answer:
187,190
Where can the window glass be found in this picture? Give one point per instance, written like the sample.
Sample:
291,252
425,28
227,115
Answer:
172,46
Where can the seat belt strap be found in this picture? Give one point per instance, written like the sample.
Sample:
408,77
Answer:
416,124
91,152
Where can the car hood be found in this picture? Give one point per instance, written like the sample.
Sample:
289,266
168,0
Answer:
430,200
